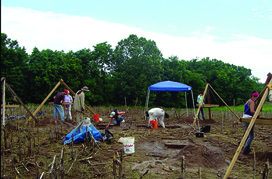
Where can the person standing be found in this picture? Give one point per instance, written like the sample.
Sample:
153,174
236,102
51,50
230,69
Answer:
270,93
199,99
249,111
67,107
58,102
116,117
79,103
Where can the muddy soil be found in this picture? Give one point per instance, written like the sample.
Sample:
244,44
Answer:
171,152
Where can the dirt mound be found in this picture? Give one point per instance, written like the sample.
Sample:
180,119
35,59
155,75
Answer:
190,119
265,156
196,155
200,156
53,121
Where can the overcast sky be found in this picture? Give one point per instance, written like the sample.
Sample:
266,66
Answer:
236,32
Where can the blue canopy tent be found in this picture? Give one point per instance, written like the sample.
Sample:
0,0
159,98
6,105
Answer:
169,86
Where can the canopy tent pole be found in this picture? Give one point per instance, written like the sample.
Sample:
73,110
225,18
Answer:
193,101
186,103
146,102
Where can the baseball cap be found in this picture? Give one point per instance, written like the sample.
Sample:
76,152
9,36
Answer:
112,114
66,91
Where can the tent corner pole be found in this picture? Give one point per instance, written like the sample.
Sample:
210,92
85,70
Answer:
146,102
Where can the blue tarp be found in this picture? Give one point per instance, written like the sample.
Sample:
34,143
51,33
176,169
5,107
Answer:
169,86
79,133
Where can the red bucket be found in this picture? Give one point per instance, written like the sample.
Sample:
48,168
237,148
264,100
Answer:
154,124
96,117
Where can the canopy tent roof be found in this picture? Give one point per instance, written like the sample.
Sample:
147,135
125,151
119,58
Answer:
169,86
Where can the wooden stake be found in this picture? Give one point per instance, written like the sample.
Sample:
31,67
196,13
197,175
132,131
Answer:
30,146
38,133
17,171
36,168
5,139
51,135
254,164
266,170
52,165
11,147
183,166
19,149
72,151
72,165
56,130
41,175
3,161
120,163
25,167
126,107
62,173
199,171
114,167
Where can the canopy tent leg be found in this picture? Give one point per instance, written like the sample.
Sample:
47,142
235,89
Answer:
186,103
146,102
193,101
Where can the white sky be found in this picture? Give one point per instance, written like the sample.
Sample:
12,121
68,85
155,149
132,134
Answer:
242,40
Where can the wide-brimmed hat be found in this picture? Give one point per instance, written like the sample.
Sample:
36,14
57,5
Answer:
85,88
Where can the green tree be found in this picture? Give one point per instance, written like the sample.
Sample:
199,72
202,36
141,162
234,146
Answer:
137,66
13,66
47,68
101,61
230,82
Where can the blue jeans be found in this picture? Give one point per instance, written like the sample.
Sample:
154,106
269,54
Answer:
58,109
202,113
249,138
117,122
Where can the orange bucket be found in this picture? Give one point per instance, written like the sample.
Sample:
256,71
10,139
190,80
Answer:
96,117
154,124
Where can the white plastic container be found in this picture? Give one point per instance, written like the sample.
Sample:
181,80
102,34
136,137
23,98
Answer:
128,143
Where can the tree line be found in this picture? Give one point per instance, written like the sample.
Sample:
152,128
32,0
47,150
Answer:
123,72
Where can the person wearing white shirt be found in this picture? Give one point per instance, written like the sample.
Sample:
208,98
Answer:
156,114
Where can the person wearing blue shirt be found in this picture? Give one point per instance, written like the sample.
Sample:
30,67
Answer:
249,111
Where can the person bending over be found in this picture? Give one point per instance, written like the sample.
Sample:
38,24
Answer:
156,114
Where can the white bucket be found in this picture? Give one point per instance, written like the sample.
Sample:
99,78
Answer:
128,143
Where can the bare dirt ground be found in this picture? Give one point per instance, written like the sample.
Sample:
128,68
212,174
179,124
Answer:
28,151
